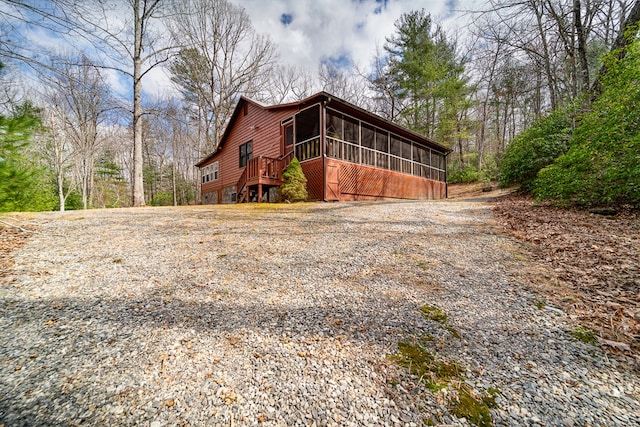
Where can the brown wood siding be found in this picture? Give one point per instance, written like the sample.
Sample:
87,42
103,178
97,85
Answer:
260,126
357,182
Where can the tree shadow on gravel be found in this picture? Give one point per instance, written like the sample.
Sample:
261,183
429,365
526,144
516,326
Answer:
367,321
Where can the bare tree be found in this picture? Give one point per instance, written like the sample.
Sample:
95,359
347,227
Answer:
128,43
221,58
289,83
79,101
345,82
385,89
55,148
136,49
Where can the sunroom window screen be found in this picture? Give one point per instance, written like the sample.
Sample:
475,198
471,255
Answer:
308,133
357,141
308,124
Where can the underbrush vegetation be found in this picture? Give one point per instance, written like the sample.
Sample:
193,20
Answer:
534,149
602,166
467,172
596,164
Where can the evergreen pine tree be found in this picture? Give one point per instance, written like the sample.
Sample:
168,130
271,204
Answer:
294,187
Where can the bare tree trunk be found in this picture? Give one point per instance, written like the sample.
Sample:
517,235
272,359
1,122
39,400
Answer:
582,47
547,60
61,196
138,182
485,111
84,184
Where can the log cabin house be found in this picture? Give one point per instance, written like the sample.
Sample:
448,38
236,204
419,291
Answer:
346,153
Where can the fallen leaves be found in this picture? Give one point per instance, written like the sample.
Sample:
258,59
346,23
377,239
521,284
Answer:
50,322
11,238
592,271
616,345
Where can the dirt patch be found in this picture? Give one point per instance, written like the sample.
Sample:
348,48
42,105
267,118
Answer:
477,192
587,264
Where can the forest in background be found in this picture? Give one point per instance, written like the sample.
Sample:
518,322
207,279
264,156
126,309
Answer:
537,93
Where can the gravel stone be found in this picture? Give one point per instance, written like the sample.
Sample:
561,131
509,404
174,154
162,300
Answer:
274,316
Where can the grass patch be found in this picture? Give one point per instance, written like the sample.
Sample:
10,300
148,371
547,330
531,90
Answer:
423,265
490,398
539,304
585,335
421,362
454,333
432,312
472,407
440,374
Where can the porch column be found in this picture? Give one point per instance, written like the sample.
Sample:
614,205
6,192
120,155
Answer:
259,193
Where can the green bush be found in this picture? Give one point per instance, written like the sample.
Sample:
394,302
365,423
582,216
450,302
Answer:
163,198
603,165
465,175
534,149
294,187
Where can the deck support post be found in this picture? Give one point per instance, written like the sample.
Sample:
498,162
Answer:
259,193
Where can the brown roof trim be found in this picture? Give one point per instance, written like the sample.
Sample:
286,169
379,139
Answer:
328,99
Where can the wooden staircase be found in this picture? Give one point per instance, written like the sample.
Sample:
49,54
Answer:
261,173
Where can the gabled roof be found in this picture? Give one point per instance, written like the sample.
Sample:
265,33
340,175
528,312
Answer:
243,100
339,104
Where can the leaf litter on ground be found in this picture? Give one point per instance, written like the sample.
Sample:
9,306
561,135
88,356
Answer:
589,266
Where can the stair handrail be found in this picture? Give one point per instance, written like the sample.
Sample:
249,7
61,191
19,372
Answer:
241,182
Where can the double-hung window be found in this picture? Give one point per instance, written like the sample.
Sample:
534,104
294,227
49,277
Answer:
246,152
214,171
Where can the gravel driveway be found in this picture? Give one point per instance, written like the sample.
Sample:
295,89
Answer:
287,315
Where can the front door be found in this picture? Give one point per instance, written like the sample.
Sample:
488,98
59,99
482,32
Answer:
288,138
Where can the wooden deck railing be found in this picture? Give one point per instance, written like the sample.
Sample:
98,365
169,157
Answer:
286,159
261,168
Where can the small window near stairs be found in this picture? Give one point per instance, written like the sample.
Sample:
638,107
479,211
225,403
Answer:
246,152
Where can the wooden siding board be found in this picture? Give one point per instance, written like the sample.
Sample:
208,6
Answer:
260,126
351,182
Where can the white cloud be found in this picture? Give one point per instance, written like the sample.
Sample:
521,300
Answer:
157,84
330,28
313,30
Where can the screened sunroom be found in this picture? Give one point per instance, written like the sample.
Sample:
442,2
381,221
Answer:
357,141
